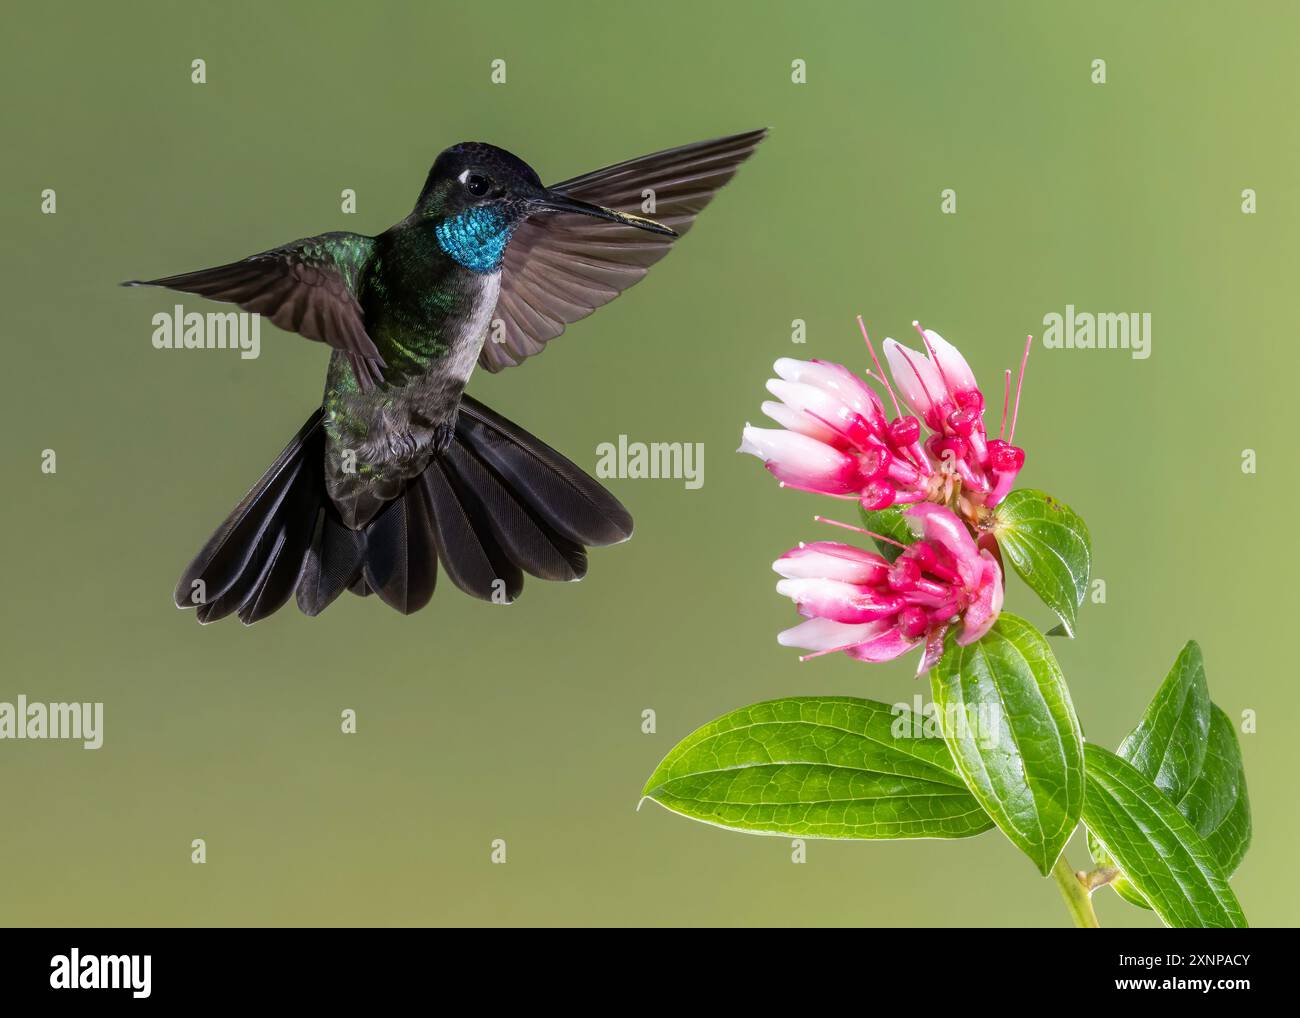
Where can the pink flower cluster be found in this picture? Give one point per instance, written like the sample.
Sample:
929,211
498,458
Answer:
836,439
874,610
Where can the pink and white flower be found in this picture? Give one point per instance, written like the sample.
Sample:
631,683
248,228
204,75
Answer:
835,437
859,603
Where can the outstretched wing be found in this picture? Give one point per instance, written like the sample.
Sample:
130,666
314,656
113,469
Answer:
560,267
307,287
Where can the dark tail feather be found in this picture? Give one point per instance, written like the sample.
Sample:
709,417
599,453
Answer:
333,563
499,503
527,541
393,557
400,561
554,489
505,503
473,559
251,564
359,587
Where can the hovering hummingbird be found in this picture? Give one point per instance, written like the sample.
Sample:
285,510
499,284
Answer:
398,468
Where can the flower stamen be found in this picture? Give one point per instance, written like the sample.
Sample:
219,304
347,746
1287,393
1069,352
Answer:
907,356
1006,399
817,491
880,373
1015,414
823,653
936,362
859,530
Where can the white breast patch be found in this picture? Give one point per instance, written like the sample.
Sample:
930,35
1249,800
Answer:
465,347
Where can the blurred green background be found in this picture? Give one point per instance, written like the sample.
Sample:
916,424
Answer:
479,722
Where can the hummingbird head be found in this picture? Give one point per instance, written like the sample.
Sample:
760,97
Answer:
476,195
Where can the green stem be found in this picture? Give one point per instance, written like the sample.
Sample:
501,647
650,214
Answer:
1077,898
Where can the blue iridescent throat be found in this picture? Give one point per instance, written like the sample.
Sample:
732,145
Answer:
475,238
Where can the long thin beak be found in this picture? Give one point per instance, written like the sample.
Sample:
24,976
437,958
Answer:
554,201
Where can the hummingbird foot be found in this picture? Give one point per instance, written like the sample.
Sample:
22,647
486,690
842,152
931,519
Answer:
443,434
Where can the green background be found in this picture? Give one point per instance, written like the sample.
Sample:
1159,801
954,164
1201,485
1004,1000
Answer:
479,722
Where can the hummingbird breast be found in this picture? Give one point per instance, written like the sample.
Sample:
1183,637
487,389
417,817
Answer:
378,439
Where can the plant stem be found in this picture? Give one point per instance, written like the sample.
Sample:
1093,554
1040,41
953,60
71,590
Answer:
1076,895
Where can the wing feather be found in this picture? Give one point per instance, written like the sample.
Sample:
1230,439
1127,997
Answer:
307,287
560,267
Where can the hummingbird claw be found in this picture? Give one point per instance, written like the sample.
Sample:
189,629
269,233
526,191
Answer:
442,436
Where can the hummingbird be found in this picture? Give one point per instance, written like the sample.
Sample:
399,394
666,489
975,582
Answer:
398,468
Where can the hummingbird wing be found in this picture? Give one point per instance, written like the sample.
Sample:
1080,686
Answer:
307,286
560,267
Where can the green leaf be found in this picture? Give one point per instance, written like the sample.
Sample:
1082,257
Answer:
819,767
1168,744
1188,748
1217,804
889,523
1009,722
1155,846
1048,545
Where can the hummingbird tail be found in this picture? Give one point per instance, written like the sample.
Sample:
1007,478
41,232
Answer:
504,503
251,565
499,503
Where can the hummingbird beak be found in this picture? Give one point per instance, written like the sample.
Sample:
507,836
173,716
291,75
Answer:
554,201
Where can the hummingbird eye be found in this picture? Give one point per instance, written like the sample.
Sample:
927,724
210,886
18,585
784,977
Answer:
477,184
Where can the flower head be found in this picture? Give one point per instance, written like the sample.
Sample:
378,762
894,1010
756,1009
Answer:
836,438
858,602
